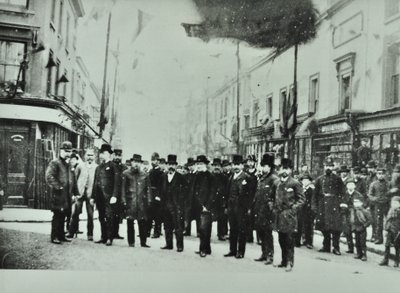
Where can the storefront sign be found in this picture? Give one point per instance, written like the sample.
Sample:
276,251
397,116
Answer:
337,127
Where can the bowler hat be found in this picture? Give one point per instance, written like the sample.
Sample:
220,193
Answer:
286,163
305,175
118,152
237,159
227,163
371,164
252,158
66,145
216,162
136,158
267,159
328,161
344,169
155,156
190,161
105,148
202,159
381,168
171,160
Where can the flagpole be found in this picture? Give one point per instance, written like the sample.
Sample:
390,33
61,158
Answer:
103,92
113,122
238,99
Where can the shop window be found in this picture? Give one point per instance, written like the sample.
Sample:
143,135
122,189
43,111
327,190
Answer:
10,55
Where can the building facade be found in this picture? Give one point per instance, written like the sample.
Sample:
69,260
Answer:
41,103
347,84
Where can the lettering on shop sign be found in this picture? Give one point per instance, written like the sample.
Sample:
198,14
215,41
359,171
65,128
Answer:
17,137
334,127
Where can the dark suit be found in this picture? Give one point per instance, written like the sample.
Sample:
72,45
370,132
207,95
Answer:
220,184
62,182
119,209
238,202
106,184
173,208
189,212
155,213
203,196
252,192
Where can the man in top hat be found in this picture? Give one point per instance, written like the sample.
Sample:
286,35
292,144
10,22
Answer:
220,182
262,207
238,203
62,182
189,211
329,194
203,203
155,212
289,199
118,209
251,169
135,197
105,193
379,199
363,153
173,201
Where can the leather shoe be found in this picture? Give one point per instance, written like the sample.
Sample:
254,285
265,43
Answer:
357,256
101,241
90,238
202,254
166,247
336,252
230,254
180,249
145,245
309,246
155,236
131,244
350,251
55,241
281,265
65,240
323,250
378,242
364,258
269,262
118,237
239,255
261,258
289,268
69,236
109,242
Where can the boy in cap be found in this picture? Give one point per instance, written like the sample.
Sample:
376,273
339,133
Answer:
393,232
262,208
306,221
360,219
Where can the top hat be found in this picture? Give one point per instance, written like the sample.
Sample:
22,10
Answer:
190,161
305,175
216,162
286,163
371,164
237,159
328,162
118,152
344,169
137,158
171,159
66,145
267,159
106,148
252,158
155,156
202,159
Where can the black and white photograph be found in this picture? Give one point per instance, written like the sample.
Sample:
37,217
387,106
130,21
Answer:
199,146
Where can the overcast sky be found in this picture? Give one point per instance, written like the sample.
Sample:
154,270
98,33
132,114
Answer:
170,65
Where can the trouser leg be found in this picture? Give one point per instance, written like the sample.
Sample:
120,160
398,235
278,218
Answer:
233,233
75,211
89,212
143,231
168,229
300,224
326,243
309,229
269,240
290,248
379,215
262,235
243,227
57,225
373,216
109,222
349,239
282,243
130,231
250,228
205,232
336,239
103,224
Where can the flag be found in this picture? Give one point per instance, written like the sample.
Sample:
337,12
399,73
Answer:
99,10
104,110
288,109
142,20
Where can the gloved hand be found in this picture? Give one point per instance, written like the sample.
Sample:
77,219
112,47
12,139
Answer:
113,200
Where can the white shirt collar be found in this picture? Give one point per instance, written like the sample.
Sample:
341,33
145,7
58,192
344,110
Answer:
236,175
170,177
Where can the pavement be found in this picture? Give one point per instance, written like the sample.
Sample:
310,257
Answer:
27,215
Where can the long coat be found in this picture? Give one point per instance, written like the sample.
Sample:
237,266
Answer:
263,201
135,194
173,197
203,192
329,194
220,184
238,196
155,181
62,182
289,199
379,195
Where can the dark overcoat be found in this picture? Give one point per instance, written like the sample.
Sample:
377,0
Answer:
263,201
289,199
172,194
238,196
62,182
135,194
329,194
220,184
203,192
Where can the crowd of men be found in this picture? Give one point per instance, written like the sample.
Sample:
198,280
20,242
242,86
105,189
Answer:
241,196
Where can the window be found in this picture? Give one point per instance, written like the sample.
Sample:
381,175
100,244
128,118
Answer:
10,55
67,29
345,71
391,8
49,75
314,94
246,121
282,102
269,105
57,76
256,111
60,17
15,2
53,11
393,72
345,92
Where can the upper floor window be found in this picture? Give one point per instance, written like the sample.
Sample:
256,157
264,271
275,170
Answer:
313,93
60,17
246,121
256,111
15,2
10,55
53,11
392,8
345,71
269,105
282,101
393,75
